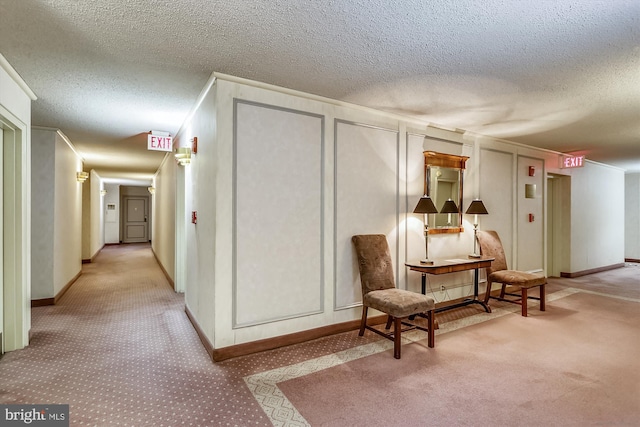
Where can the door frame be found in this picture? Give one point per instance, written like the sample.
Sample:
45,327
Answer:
123,205
15,298
558,224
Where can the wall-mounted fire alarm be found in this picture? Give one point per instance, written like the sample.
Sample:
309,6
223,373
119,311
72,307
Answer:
194,217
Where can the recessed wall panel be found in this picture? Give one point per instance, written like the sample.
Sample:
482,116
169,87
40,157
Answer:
497,183
278,195
366,179
530,214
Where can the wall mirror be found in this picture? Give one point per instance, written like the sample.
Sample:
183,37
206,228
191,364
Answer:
444,184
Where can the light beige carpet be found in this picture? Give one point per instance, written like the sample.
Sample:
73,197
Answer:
577,364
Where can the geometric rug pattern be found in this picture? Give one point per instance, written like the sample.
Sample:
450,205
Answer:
282,413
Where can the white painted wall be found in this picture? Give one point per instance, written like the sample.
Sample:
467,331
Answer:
56,198
15,121
632,216
112,216
359,171
597,220
43,147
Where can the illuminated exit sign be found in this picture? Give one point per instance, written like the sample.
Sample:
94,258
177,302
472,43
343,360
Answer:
158,142
572,162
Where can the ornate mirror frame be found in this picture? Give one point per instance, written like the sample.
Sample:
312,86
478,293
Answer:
449,161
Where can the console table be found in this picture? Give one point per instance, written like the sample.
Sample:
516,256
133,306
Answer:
453,265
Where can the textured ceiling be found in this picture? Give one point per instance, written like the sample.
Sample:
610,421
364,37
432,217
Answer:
557,74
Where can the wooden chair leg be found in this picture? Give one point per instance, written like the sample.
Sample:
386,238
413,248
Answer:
503,290
524,301
487,294
363,322
431,314
543,297
397,330
389,320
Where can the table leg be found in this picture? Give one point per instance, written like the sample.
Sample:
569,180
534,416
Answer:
476,275
466,302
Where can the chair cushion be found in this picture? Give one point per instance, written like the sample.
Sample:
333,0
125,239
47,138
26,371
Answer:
517,278
398,302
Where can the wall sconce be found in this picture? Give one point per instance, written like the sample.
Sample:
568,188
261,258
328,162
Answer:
183,155
103,192
449,208
425,206
151,190
82,176
476,208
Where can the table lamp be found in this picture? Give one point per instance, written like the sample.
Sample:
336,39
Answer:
449,208
425,206
476,208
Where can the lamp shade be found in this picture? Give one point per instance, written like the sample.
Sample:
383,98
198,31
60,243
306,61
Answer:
449,207
425,206
476,208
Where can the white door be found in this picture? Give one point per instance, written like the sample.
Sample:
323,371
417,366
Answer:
136,215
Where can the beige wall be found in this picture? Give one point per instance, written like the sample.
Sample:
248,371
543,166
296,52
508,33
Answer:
163,214
67,239
95,216
632,216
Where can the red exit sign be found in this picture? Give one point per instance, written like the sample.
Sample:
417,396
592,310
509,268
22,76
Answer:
159,143
572,162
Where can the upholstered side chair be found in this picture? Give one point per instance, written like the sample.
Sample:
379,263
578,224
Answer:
379,292
491,245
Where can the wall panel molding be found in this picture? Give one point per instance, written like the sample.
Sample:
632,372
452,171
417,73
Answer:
366,199
278,191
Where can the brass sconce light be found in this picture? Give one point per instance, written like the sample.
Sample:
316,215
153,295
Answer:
183,155
82,176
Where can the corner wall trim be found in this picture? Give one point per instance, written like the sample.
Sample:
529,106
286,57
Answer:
218,355
42,302
66,287
166,273
225,353
631,260
93,258
591,271
205,341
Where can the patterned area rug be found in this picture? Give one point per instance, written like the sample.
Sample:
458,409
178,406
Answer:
119,349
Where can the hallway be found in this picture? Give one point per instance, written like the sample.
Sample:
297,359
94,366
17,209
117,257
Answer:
120,350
